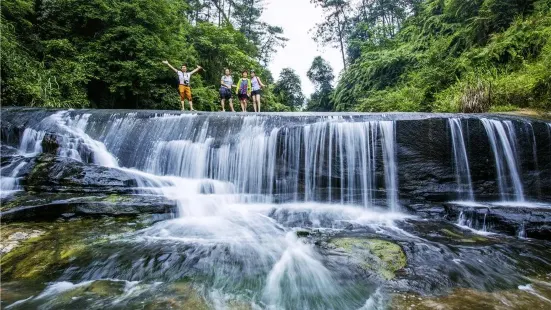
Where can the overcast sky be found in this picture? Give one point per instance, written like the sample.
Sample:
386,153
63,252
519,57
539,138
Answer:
297,17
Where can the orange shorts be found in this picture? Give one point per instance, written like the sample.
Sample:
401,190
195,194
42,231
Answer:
185,92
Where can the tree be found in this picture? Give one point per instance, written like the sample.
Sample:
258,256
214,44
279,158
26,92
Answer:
321,75
288,89
334,29
271,38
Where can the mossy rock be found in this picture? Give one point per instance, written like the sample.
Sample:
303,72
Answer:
186,297
381,256
39,258
461,237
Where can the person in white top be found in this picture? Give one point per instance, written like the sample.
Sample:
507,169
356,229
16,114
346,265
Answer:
184,89
255,94
225,90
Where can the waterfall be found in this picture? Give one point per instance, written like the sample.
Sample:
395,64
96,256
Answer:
535,157
343,156
255,193
332,159
462,170
503,143
391,169
472,222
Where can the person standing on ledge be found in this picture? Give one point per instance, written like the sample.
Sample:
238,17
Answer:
184,89
225,90
255,94
244,90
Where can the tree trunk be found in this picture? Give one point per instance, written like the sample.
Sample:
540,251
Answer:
341,40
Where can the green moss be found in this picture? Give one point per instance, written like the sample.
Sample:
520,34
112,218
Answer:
461,237
383,257
41,257
188,297
451,233
302,233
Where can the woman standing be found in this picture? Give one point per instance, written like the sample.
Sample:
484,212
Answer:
257,86
244,90
225,90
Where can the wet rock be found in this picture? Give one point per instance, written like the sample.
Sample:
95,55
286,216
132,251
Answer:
61,174
302,233
514,220
40,257
28,206
532,296
380,256
49,144
14,239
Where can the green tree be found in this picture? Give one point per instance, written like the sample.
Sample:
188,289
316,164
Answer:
321,75
288,89
441,53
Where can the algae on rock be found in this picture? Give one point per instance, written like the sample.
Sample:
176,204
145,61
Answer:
381,256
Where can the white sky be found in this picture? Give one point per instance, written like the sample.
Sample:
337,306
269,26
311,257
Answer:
297,17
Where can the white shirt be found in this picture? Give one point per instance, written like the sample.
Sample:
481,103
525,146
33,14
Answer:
184,77
255,83
227,80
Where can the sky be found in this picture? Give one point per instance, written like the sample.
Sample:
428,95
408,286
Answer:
298,17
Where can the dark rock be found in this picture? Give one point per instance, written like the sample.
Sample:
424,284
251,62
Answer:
533,222
60,174
51,206
50,145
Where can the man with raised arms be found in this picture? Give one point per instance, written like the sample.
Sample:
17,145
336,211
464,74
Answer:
184,88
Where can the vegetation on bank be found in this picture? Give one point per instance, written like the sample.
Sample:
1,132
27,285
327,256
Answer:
403,55
447,56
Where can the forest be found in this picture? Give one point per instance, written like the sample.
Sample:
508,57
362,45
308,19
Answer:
398,55
440,55
108,53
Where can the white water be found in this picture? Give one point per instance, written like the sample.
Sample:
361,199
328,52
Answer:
225,181
502,140
473,225
462,170
224,191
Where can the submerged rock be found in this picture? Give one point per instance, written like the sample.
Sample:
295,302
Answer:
530,296
376,255
49,247
12,238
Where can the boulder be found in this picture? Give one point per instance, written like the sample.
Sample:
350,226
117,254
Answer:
62,174
382,257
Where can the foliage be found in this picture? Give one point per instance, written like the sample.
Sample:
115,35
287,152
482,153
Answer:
447,49
108,53
321,75
288,89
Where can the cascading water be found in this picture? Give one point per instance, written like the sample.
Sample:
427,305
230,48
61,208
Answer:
223,183
73,142
462,170
249,188
502,140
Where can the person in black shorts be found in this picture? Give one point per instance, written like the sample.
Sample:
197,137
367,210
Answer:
225,90
257,85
